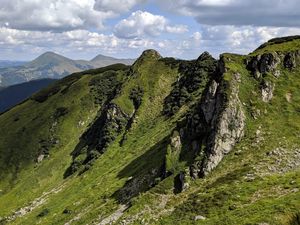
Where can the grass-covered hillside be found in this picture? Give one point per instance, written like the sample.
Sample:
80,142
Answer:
163,141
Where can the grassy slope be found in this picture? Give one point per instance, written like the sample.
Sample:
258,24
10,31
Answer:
229,194
93,189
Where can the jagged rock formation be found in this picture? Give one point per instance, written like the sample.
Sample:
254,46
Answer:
95,141
262,64
217,122
227,125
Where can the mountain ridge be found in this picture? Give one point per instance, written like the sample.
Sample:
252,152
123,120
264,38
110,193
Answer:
163,141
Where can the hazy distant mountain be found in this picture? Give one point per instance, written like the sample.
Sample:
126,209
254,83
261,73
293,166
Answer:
54,66
102,60
8,63
15,94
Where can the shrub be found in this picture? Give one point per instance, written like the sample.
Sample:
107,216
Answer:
43,213
59,112
136,96
172,160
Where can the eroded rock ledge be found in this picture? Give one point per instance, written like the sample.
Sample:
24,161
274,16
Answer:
216,124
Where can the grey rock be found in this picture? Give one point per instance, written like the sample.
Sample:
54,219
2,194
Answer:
228,128
262,64
176,141
199,217
209,103
40,158
289,61
267,90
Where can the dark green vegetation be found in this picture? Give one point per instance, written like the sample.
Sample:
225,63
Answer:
163,141
193,79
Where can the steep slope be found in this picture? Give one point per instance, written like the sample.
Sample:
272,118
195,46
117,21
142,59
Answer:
54,66
164,141
15,94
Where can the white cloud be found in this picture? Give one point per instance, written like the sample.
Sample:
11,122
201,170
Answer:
52,15
118,6
140,24
241,39
177,29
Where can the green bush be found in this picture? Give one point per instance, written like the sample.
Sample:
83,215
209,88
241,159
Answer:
172,160
43,213
136,96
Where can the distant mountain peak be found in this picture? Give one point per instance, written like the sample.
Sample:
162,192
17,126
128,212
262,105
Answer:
53,65
48,58
101,57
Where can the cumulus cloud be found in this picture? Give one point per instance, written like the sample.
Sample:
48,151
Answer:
118,6
81,43
241,39
73,27
141,23
236,12
52,15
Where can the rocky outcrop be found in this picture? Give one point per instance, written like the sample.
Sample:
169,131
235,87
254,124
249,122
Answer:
179,183
267,89
216,124
289,61
176,141
173,154
149,54
262,64
227,126
94,142
111,123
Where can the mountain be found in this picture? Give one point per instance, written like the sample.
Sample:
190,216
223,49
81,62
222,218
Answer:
15,94
102,60
53,66
164,141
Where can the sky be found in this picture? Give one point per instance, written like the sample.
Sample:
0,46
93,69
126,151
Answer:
81,29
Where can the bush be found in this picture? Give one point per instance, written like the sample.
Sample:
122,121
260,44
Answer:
172,160
104,86
43,213
295,220
136,96
59,112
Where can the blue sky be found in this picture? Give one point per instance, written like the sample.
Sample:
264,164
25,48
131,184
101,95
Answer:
81,29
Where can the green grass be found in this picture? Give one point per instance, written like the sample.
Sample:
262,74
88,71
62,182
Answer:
96,187
241,190
273,46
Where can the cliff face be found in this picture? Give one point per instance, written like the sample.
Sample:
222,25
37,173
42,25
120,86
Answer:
217,121
227,123
164,141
